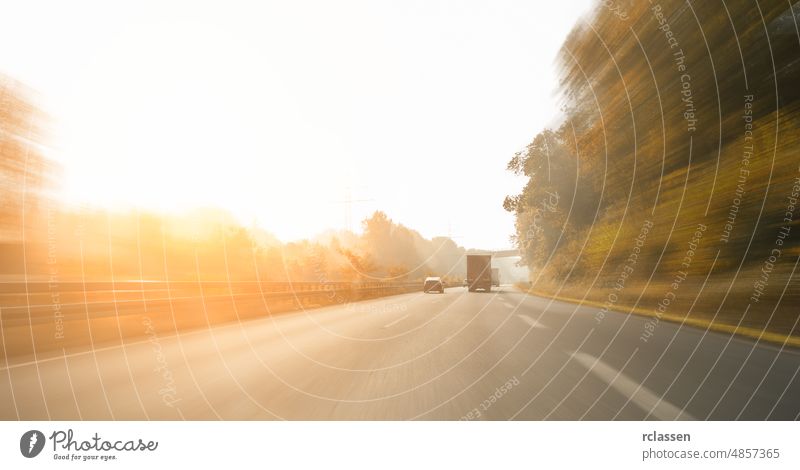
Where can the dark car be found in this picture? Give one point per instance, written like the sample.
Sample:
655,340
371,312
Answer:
433,284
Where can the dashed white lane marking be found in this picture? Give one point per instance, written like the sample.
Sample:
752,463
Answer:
530,321
508,305
391,324
640,395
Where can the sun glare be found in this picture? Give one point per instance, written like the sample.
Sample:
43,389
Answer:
179,117
277,115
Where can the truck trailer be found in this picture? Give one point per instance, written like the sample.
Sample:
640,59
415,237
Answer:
479,272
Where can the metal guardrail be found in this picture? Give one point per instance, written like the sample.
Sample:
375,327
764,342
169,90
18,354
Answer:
237,286
36,301
51,318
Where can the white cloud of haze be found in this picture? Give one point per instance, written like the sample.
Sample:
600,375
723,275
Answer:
272,109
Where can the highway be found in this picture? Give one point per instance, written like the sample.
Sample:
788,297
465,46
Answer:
458,355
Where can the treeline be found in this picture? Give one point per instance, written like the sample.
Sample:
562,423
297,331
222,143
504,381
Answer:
209,245
678,118
44,240
25,173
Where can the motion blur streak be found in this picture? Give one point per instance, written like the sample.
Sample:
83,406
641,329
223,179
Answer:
412,356
668,187
684,114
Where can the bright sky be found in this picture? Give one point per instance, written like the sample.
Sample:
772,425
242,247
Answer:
273,109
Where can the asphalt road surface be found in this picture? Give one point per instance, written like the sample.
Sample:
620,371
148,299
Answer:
497,356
